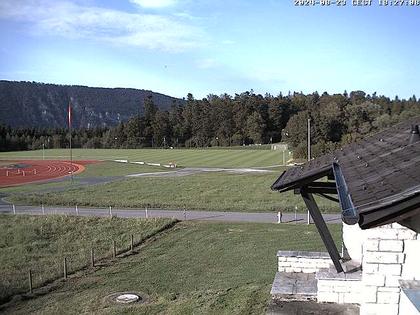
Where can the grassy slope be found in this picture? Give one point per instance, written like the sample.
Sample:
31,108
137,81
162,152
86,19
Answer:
210,268
41,243
211,191
183,157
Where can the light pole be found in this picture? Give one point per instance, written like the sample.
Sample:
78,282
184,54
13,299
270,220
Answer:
43,151
309,139
309,155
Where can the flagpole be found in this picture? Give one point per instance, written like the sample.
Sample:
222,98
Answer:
71,152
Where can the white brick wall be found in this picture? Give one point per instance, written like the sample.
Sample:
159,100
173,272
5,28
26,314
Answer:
339,291
302,263
410,269
388,251
391,246
387,254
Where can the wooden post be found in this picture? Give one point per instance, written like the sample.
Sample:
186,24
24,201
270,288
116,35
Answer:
14,209
147,214
92,257
77,210
110,211
43,209
65,268
30,281
132,242
114,249
322,228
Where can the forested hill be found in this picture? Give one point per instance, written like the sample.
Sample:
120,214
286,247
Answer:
30,104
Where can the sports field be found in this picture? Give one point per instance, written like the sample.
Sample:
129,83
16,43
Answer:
214,191
182,157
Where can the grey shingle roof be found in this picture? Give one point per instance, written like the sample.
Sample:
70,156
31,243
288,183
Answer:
382,173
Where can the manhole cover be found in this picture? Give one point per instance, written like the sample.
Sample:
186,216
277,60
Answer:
127,298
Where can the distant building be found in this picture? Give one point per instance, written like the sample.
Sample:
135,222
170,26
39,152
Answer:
377,182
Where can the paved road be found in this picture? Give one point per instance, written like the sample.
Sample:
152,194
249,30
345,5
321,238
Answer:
196,170
177,214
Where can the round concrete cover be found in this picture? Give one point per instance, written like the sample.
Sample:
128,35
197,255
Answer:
127,298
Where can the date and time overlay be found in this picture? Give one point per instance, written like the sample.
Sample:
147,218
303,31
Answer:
357,3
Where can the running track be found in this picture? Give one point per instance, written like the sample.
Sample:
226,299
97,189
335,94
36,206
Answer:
28,171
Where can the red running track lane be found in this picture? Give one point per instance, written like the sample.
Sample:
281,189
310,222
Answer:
39,170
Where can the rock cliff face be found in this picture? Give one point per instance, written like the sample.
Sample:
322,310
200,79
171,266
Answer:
31,104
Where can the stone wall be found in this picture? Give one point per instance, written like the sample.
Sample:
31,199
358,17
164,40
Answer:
339,288
300,261
389,255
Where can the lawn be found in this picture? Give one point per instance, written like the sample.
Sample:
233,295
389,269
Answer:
194,268
182,157
208,191
41,243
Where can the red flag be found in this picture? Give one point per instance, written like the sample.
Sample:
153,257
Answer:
69,115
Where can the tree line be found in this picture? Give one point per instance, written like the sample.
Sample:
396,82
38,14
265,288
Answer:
223,121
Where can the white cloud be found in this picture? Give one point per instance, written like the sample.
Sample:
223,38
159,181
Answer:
155,4
66,19
206,63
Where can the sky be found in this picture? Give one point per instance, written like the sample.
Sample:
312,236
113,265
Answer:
204,47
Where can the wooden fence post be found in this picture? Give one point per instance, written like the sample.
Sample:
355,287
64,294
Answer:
92,257
65,268
30,281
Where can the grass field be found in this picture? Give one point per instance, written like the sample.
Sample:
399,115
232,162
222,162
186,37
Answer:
194,268
109,168
210,191
182,157
41,243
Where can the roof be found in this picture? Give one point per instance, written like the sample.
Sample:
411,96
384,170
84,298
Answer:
381,175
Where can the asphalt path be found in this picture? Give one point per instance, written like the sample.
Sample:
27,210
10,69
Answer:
224,216
187,171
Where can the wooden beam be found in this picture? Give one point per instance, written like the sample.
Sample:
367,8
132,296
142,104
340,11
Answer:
319,188
322,228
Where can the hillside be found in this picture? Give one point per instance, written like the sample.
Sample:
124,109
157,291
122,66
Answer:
31,104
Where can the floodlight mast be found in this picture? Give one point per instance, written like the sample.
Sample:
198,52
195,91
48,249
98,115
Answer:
309,139
309,156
